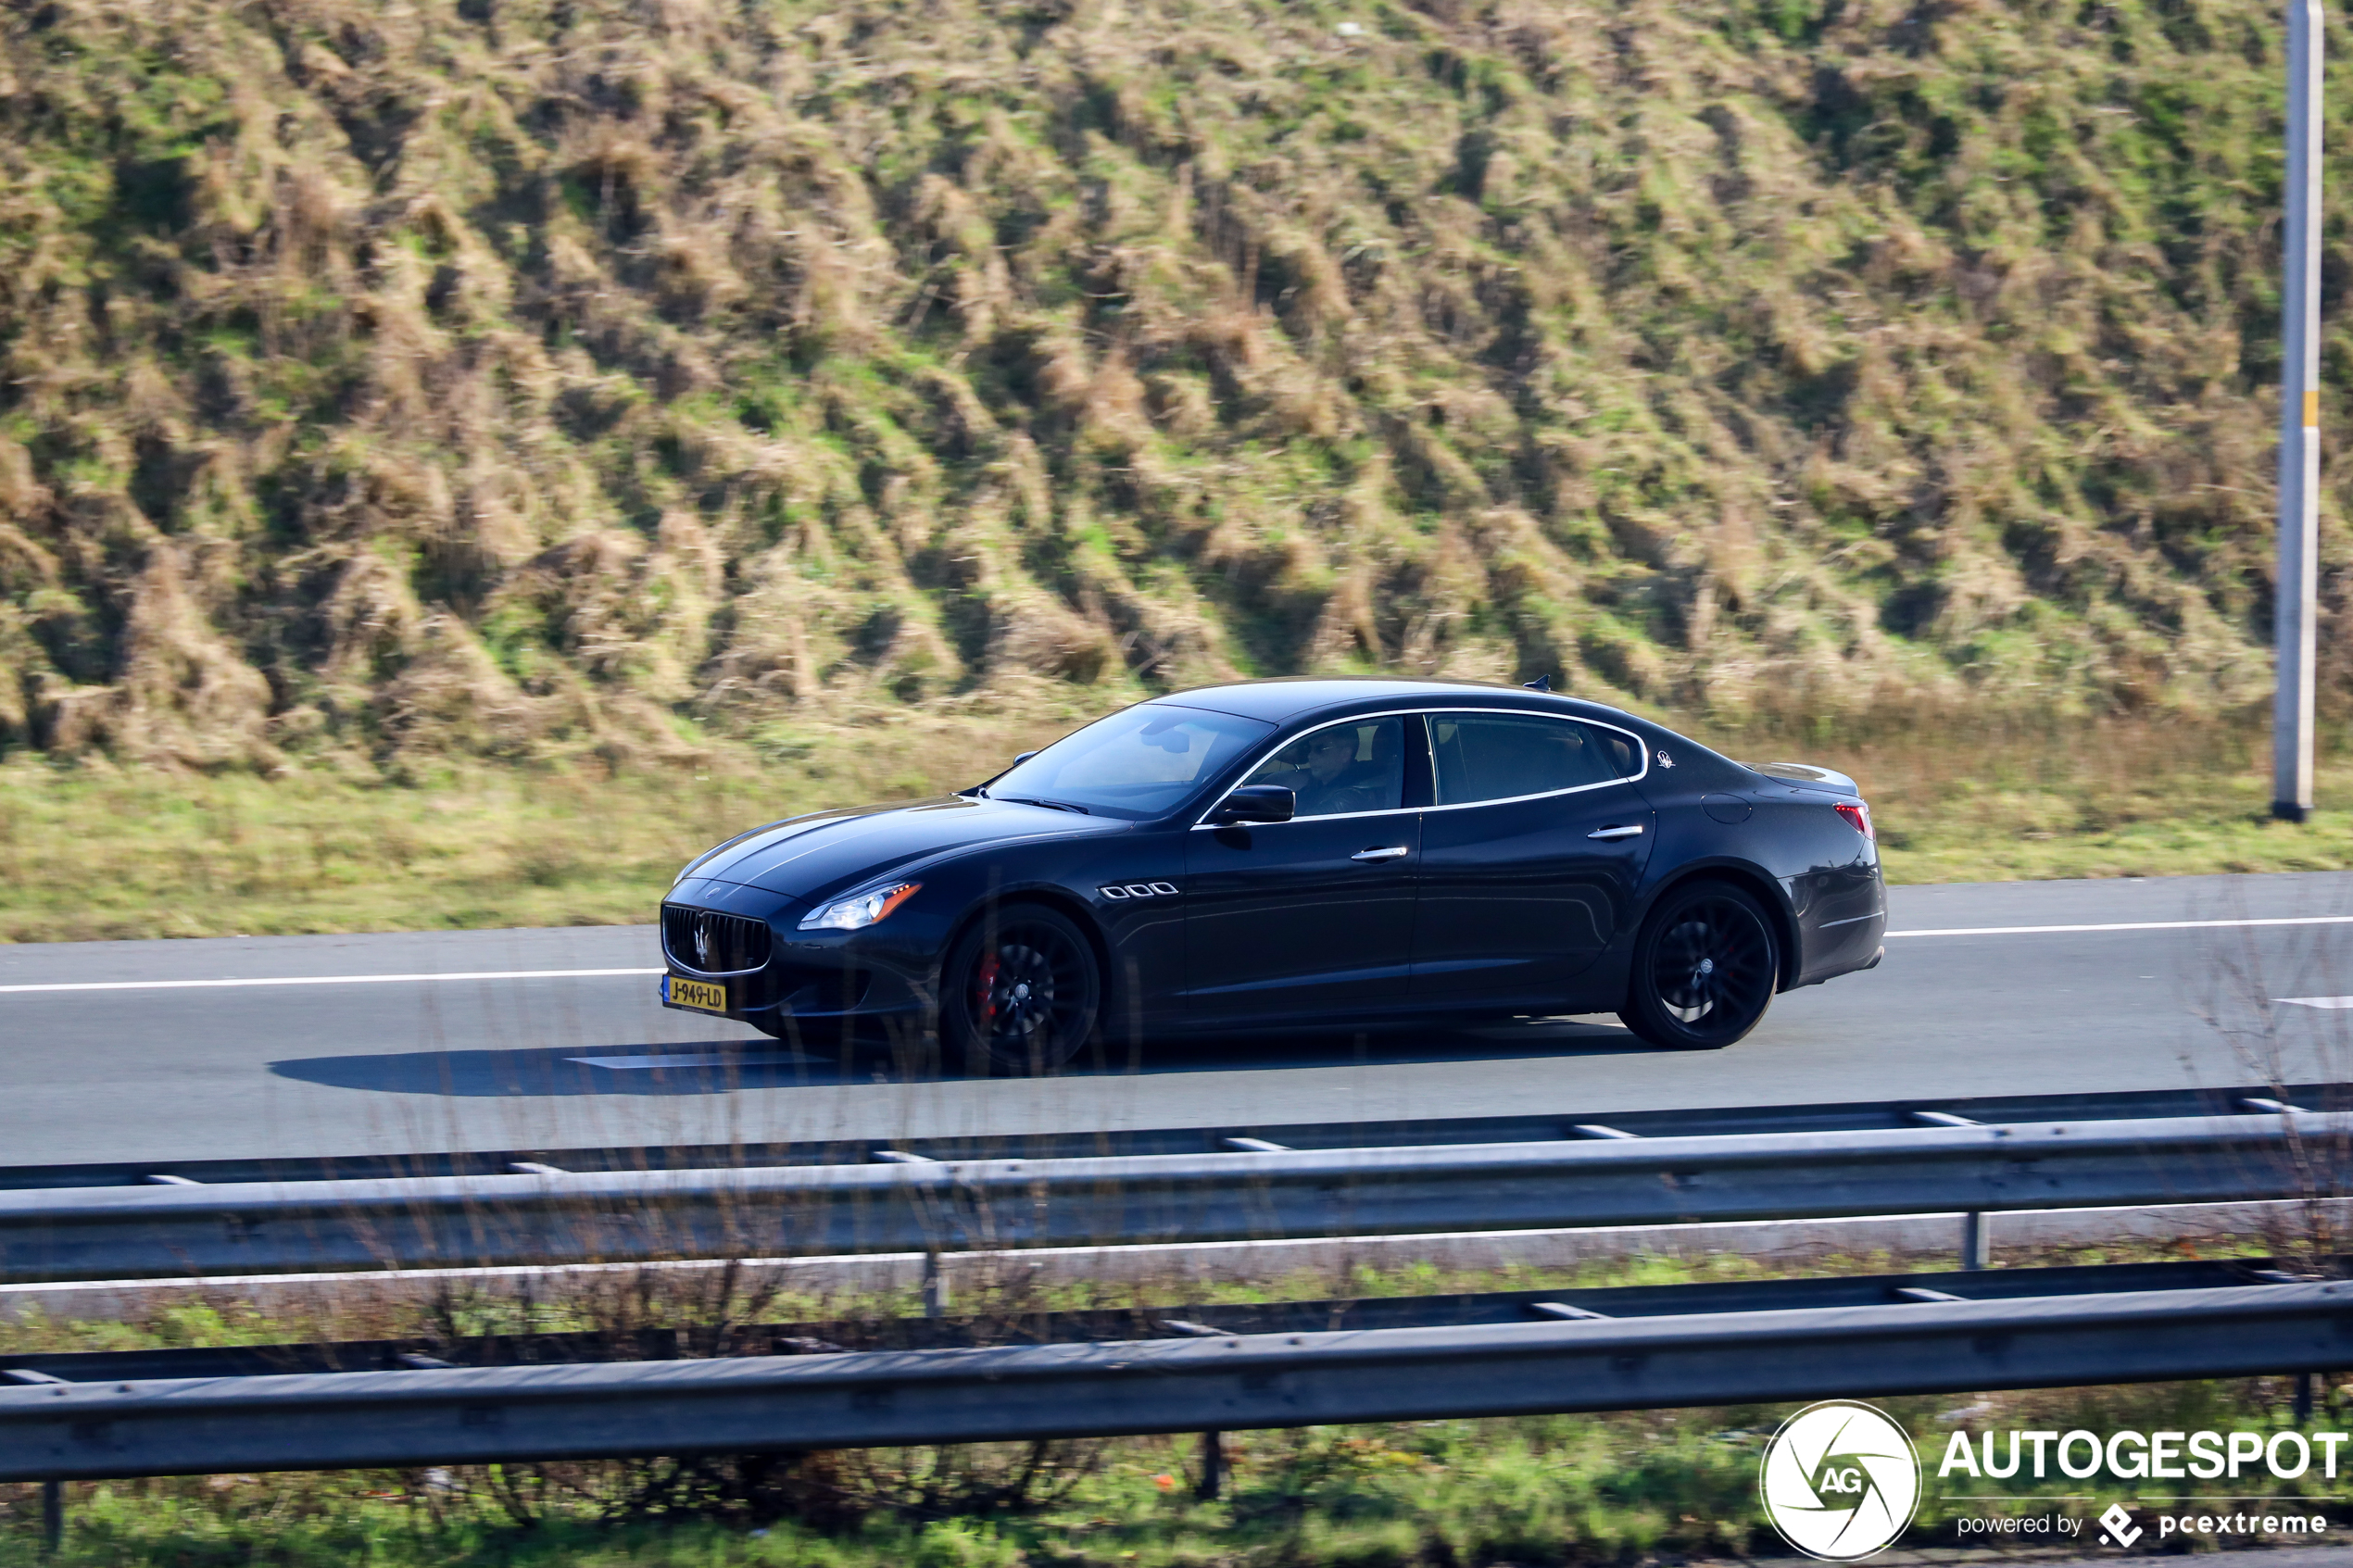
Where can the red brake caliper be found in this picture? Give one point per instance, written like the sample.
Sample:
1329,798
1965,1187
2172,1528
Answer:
986,998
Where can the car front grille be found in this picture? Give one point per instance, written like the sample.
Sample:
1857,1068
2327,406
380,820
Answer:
710,943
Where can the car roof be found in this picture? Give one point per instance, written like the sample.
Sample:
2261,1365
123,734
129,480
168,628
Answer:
1281,701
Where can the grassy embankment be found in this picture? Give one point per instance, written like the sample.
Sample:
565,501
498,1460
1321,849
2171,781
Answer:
1540,1491
386,390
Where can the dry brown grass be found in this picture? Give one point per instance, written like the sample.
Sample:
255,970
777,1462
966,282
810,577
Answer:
529,379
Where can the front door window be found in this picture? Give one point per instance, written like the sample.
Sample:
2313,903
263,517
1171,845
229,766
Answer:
1342,770
1314,916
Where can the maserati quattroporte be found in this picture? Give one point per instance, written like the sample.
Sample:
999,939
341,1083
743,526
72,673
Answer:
1312,853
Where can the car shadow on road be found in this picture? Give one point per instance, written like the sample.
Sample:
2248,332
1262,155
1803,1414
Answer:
699,1067
718,1067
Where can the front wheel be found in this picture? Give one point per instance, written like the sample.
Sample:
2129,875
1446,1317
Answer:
1705,966
1020,992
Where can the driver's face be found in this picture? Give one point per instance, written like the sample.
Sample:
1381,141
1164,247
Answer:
1329,755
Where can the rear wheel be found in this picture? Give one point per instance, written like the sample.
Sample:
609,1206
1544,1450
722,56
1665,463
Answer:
1705,966
1020,994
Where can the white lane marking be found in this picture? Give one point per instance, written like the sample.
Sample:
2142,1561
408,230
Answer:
2330,1003
702,1059
333,980
605,973
2126,925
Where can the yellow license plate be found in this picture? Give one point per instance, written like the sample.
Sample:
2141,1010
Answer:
702,994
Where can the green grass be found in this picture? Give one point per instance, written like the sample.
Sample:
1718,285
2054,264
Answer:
93,851
1531,1491
1977,796
89,853
2226,826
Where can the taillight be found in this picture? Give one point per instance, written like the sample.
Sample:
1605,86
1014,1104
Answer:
1857,815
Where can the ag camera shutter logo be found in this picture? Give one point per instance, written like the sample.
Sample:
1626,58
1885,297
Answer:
1840,1481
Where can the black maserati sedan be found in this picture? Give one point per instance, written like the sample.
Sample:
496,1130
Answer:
1325,854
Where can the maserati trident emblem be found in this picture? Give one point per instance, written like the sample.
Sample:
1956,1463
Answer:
703,943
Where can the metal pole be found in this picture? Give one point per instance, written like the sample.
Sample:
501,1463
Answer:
1213,1466
935,1285
53,1517
1977,1240
2299,422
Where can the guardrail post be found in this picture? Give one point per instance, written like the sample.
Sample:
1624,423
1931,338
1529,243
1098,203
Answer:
1977,1240
53,1517
2305,1382
1213,1466
935,1287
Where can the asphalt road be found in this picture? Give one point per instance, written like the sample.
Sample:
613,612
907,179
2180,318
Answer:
413,1043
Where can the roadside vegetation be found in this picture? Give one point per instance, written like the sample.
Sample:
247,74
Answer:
92,850
1541,1491
1526,1493
610,381
456,461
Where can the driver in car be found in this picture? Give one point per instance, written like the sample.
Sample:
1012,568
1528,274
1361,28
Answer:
1324,778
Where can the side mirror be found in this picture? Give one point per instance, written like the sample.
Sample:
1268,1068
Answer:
1024,758
1259,803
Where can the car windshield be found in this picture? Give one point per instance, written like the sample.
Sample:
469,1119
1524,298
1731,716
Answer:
1137,763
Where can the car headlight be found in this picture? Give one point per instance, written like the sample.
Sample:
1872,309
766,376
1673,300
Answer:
856,914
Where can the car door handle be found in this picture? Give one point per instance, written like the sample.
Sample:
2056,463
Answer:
1371,856
1626,832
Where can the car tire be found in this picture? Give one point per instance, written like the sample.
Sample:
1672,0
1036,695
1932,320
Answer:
1706,964
1020,994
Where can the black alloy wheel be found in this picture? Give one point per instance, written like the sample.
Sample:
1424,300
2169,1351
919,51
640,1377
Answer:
1705,966
1021,992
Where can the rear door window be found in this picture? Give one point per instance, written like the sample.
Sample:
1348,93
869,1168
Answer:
1502,756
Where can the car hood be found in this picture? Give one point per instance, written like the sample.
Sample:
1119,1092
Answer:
813,855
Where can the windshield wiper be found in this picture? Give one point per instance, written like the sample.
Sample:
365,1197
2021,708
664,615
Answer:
1049,805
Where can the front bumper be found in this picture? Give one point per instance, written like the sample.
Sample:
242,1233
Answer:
798,991
808,976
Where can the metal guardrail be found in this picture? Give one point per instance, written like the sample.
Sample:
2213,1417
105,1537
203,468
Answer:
1009,1322
66,1431
1690,1122
918,1205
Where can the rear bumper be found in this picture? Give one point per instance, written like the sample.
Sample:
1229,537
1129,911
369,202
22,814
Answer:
1845,947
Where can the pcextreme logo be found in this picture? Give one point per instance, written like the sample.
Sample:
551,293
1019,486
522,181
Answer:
1840,1481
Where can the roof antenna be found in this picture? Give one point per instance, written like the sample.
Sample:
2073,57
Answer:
1541,684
